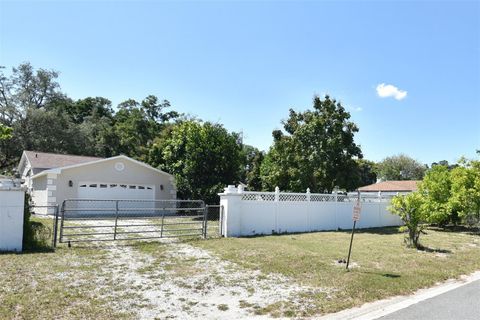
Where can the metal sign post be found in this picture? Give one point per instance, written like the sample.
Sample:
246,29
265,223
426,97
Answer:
356,216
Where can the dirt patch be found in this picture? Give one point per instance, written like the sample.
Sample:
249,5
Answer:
186,282
170,279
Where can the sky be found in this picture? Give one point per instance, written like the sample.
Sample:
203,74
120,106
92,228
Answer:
408,72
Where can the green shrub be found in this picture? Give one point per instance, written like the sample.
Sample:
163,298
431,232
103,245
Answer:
35,234
410,209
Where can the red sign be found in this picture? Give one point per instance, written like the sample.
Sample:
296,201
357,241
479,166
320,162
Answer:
357,208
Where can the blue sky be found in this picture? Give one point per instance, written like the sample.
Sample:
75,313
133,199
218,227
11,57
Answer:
244,64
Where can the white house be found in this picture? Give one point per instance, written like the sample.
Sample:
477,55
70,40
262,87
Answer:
52,178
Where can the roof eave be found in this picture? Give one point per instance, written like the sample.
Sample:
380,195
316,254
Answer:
59,170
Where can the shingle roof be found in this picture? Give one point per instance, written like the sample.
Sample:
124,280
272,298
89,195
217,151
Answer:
53,160
391,186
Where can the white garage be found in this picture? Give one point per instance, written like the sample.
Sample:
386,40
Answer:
115,191
115,178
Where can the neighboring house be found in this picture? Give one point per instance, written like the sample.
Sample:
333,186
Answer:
391,187
52,178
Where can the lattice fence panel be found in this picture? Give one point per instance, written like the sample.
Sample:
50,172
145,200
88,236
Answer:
258,196
292,197
322,197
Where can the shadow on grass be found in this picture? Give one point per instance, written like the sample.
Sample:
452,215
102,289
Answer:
386,275
473,231
31,249
379,231
432,250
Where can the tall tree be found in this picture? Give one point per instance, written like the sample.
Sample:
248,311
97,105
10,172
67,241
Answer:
400,167
250,171
25,93
465,191
204,157
435,189
316,151
26,88
365,173
137,124
96,107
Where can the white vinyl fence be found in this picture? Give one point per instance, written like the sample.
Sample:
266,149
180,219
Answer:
251,213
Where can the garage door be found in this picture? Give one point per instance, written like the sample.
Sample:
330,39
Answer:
105,190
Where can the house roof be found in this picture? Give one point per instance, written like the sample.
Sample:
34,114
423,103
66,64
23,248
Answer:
99,160
391,186
53,160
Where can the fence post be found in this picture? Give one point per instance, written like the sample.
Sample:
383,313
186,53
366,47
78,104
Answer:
116,221
62,222
231,200
277,194
161,228
205,215
220,220
55,226
308,194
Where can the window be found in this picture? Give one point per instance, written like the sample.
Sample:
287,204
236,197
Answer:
132,187
113,185
83,186
103,186
141,187
123,186
93,185
149,188
161,187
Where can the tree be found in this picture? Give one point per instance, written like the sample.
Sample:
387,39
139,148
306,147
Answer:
250,171
5,132
26,88
400,167
317,150
435,189
96,108
465,191
137,124
204,157
365,172
444,163
22,92
155,110
410,209
49,131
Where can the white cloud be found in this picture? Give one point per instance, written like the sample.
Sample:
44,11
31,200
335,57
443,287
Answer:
388,90
358,109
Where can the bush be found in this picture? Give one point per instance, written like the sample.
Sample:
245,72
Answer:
410,209
35,234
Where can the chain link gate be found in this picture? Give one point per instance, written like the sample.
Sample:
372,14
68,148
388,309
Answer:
85,220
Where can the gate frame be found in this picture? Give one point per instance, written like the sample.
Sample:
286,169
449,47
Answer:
60,210
59,220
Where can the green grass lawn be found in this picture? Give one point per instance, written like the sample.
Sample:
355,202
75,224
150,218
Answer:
383,266
80,283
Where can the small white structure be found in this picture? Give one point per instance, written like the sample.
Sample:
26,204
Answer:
250,213
52,178
12,198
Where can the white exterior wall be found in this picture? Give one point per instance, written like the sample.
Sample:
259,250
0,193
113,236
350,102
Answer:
11,219
251,213
53,188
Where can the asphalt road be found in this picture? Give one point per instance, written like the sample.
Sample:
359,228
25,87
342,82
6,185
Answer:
462,303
